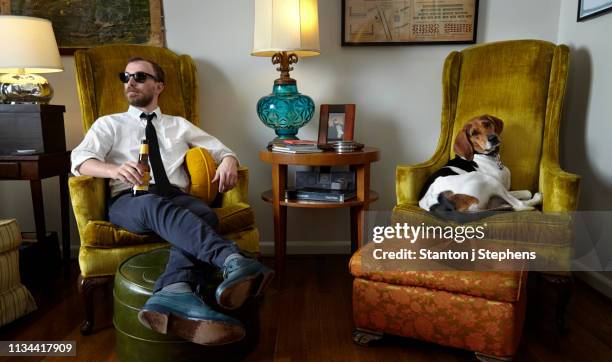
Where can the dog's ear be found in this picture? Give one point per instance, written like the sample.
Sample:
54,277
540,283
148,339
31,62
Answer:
497,123
463,146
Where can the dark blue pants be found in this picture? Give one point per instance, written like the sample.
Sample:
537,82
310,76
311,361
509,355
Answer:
184,221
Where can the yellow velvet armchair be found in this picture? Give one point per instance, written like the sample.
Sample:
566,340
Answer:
523,83
103,245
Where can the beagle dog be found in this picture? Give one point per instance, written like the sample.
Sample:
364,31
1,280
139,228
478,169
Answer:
475,176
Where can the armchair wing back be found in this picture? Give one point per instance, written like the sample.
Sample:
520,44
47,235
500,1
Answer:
523,83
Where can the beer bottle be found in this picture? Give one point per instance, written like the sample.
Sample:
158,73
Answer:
143,160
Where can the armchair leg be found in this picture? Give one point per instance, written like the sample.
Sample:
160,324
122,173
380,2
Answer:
86,287
365,337
563,286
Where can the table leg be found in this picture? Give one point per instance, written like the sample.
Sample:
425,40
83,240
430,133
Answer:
354,227
39,209
358,212
63,183
279,183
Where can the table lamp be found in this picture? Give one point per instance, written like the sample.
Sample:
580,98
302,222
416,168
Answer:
284,30
28,47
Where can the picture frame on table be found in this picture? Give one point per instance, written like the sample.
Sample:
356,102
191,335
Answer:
336,123
591,8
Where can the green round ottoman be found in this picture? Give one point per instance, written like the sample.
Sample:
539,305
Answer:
134,284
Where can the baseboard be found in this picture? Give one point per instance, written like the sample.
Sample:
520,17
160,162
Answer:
597,281
308,247
293,247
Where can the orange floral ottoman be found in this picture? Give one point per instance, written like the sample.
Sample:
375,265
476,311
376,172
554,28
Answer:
478,311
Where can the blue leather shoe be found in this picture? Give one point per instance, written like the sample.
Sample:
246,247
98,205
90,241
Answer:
187,316
243,278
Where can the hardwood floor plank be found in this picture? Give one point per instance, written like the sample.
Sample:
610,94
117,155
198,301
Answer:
310,319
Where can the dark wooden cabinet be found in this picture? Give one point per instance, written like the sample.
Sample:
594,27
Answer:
31,129
39,129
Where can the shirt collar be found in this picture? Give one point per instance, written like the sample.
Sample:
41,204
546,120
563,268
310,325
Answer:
135,112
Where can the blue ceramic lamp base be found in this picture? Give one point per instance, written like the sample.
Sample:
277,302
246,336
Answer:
285,110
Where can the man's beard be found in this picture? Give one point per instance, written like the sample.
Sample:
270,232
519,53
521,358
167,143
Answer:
142,100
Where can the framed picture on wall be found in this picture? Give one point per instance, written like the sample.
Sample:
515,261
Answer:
384,22
336,123
591,8
79,24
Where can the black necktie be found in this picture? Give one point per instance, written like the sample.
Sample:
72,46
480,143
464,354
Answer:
161,179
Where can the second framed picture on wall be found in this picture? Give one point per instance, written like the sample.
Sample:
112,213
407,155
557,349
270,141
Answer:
336,123
393,22
591,8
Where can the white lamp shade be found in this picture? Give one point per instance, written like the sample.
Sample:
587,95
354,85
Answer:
28,44
286,26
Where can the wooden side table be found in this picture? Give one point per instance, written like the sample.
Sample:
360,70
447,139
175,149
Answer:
35,168
358,161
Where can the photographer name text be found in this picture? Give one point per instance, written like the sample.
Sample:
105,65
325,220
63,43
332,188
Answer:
472,255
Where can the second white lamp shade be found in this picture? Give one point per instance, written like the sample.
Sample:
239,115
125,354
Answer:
286,26
28,45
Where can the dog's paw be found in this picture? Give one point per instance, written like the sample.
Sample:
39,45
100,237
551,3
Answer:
524,208
521,194
536,199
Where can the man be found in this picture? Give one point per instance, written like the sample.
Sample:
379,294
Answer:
110,150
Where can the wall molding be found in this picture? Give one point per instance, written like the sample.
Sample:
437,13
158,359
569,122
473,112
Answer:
293,248
308,247
597,281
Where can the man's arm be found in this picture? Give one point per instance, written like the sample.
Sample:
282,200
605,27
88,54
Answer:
130,172
226,159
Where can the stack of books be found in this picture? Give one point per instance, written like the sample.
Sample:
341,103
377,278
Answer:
313,194
295,146
334,186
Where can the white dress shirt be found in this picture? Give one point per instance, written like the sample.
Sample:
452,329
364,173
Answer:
116,139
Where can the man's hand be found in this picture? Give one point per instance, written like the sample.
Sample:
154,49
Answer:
227,174
130,173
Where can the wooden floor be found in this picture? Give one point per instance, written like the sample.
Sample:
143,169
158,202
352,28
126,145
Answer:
310,320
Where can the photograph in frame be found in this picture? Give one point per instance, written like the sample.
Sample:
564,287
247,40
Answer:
335,127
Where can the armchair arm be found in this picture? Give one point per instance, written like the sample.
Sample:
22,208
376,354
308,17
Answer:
409,179
88,196
560,189
240,193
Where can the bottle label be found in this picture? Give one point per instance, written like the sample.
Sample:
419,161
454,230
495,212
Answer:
146,177
144,148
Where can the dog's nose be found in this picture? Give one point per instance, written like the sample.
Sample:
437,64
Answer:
493,138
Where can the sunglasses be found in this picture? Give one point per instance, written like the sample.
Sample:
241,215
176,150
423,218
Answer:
139,77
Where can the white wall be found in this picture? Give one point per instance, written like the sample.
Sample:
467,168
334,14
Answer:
588,110
586,147
397,91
